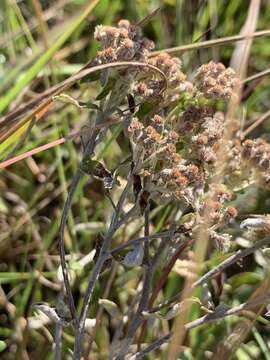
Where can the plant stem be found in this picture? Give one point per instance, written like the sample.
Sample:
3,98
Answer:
75,181
103,256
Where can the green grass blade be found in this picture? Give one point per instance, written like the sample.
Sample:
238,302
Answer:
45,58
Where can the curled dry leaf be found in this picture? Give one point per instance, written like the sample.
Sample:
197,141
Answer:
134,257
110,307
174,310
98,170
52,313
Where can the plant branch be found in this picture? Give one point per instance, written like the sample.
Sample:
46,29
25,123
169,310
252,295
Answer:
155,345
212,43
160,235
162,280
240,254
103,256
215,316
145,292
46,98
257,76
75,181
224,312
256,123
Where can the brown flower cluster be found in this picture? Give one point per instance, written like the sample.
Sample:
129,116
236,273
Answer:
155,152
220,214
122,43
181,181
191,119
214,81
182,175
256,160
206,142
171,67
176,144
221,241
126,43
176,80
202,129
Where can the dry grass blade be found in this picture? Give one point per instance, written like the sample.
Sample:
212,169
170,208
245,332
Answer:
148,18
211,43
224,312
15,159
239,333
45,58
242,49
27,154
256,123
45,100
257,76
202,233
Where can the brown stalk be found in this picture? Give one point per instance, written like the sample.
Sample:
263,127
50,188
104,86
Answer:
12,116
160,285
45,99
27,154
239,333
256,123
257,76
211,43
101,310
202,235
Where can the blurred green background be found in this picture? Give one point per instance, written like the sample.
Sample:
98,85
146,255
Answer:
42,42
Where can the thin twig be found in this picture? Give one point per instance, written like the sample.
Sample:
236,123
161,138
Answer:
160,235
109,284
148,274
240,254
256,123
257,76
221,313
119,330
211,43
61,244
155,345
128,215
103,256
162,280
75,181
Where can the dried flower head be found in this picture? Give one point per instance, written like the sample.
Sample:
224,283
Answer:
221,241
214,81
171,68
158,123
135,129
256,160
122,43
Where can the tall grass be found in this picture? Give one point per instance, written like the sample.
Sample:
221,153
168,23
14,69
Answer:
138,274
